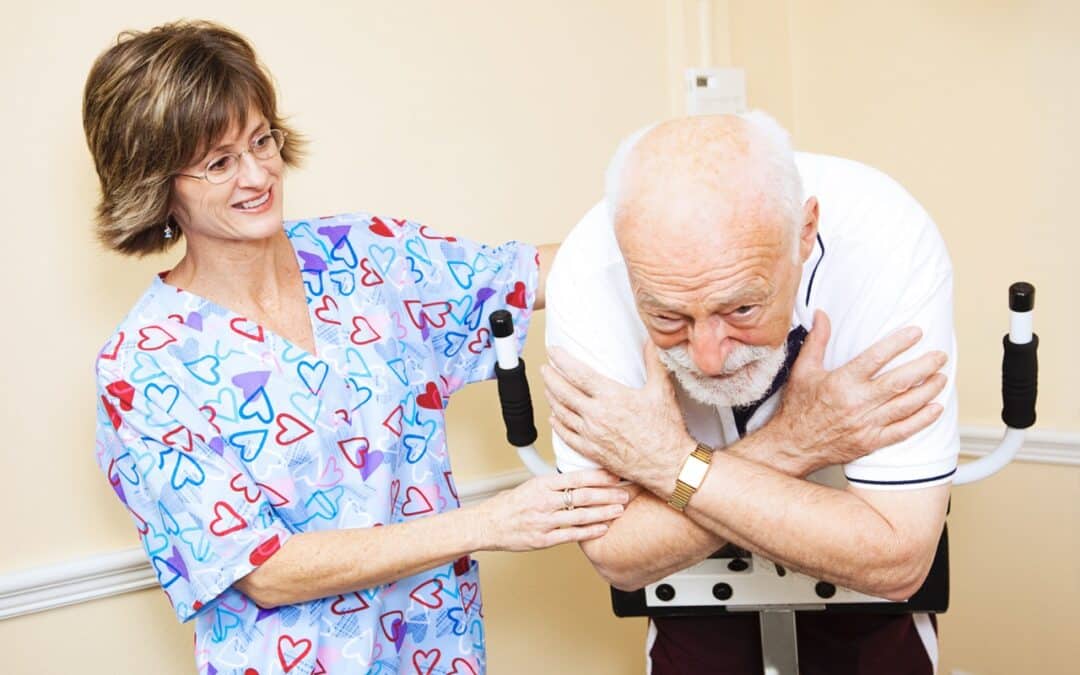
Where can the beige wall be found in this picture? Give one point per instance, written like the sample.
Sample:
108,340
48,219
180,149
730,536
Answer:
494,120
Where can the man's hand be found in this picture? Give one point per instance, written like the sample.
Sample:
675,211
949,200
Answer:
834,417
638,434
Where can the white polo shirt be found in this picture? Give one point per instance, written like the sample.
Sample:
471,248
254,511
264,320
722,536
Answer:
879,265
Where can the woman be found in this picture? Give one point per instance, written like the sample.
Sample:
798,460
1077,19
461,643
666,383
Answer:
271,408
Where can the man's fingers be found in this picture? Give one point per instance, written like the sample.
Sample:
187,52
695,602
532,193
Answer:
904,377
561,412
812,352
562,390
875,357
576,441
654,369
913,400
911,425
577,373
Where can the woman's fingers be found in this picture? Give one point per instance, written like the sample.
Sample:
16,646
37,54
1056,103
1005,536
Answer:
587,516
565,535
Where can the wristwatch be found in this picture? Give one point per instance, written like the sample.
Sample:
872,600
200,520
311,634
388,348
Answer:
690,476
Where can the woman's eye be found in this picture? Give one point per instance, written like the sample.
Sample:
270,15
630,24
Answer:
262,141
221,164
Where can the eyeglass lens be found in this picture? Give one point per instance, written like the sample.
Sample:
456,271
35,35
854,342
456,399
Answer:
223,168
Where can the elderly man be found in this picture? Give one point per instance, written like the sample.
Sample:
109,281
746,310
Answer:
803,333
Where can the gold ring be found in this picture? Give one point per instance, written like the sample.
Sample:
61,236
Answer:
568,499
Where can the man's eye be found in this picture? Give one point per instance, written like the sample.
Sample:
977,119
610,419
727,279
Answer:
745,310
666,322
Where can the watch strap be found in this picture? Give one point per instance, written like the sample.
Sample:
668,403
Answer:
685,487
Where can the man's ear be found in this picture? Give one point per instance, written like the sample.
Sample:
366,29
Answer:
808,229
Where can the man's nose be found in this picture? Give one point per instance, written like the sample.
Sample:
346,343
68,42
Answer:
710,346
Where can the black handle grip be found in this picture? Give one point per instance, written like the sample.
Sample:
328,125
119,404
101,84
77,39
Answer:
517,410
1019,382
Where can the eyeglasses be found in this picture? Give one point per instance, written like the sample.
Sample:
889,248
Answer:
223,168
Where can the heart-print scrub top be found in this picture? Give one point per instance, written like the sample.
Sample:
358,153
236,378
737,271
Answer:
223,439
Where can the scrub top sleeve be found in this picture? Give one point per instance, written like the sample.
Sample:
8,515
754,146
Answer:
203,520
459,283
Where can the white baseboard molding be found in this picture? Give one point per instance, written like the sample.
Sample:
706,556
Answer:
108,574
1040,446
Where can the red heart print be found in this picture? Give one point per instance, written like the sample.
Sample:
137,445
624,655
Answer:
395,490
448,477
251,495
482,341
154,338
428,313
428,234
114,416
468,594
123,391
393,421
324,313
517,296
226,520
428,594
110,355
371,277
355,450
276,498
461,662
298,650
425,662
380,228
415,494
264,550
211,415
179,437
363,333
291,430
348,604
390,629
430,399
247,328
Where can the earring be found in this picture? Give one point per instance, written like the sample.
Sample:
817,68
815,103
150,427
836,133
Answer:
168,231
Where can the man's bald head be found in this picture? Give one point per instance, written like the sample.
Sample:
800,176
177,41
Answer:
725,171
711,224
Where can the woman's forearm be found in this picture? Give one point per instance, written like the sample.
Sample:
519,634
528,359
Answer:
313,565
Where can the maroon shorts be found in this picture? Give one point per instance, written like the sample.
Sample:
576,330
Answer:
829,644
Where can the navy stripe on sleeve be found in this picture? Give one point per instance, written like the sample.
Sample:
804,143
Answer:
899,482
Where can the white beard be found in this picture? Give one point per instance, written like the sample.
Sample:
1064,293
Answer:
748,372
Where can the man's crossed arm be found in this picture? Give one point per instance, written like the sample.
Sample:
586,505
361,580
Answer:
754,494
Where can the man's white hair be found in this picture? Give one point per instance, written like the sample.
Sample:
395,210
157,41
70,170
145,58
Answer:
783,188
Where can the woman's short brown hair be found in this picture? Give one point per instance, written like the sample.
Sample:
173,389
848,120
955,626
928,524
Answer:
156,102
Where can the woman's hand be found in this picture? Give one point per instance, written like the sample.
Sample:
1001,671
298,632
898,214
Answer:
549,510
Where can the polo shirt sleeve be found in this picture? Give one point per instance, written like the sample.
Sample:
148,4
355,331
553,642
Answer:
895,273
591,314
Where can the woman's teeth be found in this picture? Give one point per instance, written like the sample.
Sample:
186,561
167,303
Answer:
257,202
